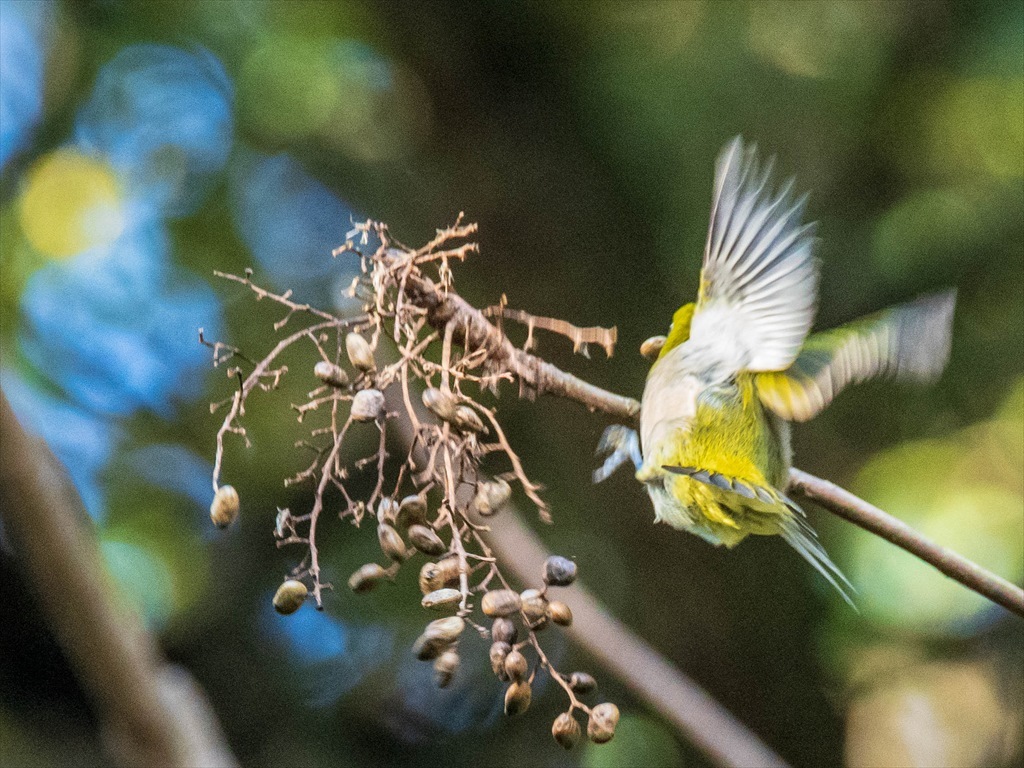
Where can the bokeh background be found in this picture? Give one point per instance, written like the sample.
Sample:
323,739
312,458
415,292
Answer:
144,145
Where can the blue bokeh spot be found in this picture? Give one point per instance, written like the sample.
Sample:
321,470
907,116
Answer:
115,327
23,34
163,117
290,222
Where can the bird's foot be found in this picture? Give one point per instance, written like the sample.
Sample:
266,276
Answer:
618,445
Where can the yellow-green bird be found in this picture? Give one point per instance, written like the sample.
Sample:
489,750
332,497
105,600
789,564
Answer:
737,366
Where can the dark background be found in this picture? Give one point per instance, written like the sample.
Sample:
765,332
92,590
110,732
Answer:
582,138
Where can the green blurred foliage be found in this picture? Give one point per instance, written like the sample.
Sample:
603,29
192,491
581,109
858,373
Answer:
582,138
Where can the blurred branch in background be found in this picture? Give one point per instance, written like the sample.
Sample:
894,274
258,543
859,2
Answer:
151,712
691,709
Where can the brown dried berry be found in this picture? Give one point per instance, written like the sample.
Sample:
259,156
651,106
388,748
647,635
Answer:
504,631
566,730
441,598
445,668
437,637
517,698
427,648
491,495
582,682
290,596
467,419
442,404
535,606
497,655
359,352
440,574
559,571
500,602
425,540
412,511
447,629
367,577
516,665
367,405
602,722
332,374
391,543
225,506
560,613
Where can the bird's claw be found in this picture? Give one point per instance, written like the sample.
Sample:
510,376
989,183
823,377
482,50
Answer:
618,445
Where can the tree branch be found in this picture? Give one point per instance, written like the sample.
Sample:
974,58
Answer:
151,712
541,377
537,377
869,517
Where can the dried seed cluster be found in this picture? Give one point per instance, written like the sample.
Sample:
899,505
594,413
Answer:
431,503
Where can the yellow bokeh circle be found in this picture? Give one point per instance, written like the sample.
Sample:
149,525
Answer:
71,202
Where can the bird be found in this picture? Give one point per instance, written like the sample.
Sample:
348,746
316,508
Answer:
738,365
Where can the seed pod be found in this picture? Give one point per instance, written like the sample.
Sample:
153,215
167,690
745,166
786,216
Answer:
447,629
516,665
441,598
581,682
412,511
440,574
289,596
225,506
367,577
359,352
442,404
566,730
504,631
559,613
651,347
601,726
467,419
517,698
445,667
437,637
427,648
387,511
425,540
391,543
500,602
535,606
491,495
497,654
559,571
367,405
332,374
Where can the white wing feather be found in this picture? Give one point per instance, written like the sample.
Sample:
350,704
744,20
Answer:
759,279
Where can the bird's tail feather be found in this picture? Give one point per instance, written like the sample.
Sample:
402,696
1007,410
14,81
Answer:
799,534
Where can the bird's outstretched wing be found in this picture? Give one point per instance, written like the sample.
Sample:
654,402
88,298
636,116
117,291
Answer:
908,342
759,278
